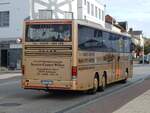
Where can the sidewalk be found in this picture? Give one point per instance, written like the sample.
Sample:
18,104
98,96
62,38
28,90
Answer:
140,104
9,75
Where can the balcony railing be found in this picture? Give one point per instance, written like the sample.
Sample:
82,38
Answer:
51,14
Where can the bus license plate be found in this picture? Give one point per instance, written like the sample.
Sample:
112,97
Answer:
47,82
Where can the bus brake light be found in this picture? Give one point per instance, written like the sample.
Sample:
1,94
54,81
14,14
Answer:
74,71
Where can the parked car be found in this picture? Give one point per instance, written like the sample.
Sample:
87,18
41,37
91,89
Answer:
146,59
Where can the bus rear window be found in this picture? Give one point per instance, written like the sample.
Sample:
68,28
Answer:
48,33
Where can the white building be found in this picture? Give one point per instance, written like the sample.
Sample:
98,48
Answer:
112,27
138,40
14,12
138,37
91,10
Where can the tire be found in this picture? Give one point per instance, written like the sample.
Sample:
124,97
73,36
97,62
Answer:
103,86
125,80
95,86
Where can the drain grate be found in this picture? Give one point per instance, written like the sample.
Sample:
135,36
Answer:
10,104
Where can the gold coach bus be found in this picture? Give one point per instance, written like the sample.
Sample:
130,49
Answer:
73,55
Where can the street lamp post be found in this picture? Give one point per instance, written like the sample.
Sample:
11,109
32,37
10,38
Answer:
143,54
0,58
143,48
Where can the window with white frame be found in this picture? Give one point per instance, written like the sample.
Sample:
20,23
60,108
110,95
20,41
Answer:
92,9
4,18
103,15
88,7
84,2
99,13
96,12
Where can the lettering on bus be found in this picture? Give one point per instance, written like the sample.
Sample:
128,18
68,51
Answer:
51,68
86,60
108,58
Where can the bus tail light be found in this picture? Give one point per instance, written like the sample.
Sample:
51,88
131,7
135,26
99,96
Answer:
74,71
23,69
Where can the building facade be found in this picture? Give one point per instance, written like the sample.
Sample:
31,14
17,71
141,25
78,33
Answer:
138,40
137,35
112,25
91,10
14,12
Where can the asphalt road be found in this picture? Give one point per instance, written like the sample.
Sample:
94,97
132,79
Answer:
14,99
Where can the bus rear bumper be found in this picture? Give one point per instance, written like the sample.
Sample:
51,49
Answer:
56,85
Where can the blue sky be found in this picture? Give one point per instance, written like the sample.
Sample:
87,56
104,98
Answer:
136,12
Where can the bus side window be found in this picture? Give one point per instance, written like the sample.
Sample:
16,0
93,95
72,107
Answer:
120,44
114,41
107,42
127,45
90,39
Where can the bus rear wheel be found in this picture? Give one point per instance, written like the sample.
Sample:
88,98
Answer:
126,78
103,84
95,86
